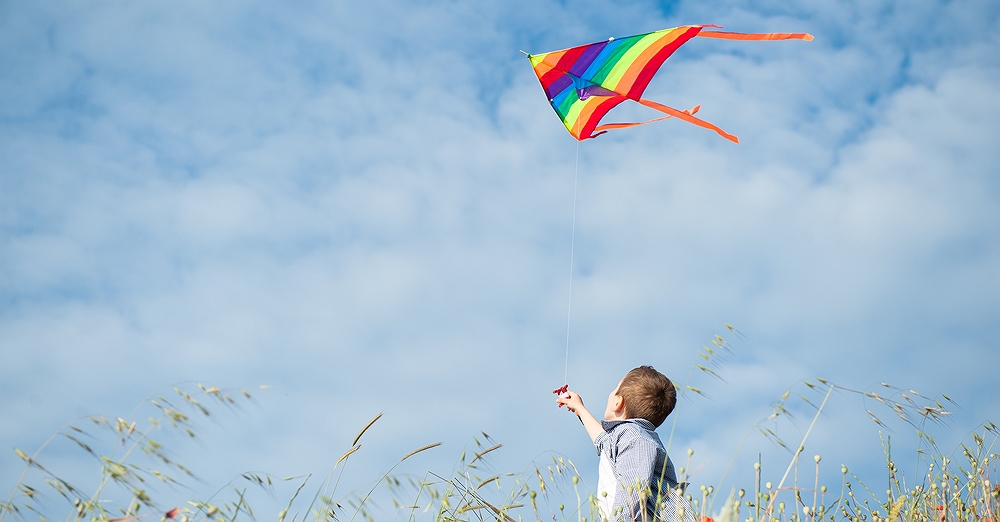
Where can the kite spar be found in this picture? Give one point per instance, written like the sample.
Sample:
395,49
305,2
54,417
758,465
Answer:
583,83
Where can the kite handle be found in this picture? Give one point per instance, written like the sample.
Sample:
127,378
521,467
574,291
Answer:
562,392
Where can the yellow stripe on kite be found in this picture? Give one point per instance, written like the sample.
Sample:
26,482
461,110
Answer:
629,58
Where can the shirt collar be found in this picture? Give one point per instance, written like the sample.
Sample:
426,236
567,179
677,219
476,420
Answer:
642,423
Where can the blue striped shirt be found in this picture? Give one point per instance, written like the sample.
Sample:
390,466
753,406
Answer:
635,473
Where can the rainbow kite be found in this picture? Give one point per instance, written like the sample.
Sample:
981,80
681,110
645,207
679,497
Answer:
583,83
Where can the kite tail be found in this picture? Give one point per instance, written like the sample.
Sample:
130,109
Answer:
601,129
726,35
684,115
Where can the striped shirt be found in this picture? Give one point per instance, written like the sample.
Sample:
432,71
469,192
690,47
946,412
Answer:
634,473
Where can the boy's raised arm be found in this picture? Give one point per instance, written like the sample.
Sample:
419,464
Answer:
574,404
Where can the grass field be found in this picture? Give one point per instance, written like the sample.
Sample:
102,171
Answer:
133,466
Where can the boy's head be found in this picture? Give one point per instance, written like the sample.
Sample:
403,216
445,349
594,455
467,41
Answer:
644,393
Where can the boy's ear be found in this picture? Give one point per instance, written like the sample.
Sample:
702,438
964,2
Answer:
619,404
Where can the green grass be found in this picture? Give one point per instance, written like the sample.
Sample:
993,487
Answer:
955,486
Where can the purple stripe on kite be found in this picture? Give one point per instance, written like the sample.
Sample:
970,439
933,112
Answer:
606,53
558,86
587,58
595,90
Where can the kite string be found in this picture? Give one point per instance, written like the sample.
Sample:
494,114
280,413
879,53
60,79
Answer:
572,250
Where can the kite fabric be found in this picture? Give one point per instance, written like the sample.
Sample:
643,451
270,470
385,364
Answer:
583,83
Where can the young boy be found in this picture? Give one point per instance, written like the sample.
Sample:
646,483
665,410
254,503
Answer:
635,473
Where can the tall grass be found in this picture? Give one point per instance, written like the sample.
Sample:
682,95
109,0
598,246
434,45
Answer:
132,467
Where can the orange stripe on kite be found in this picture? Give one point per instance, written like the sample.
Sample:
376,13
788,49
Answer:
679,36
639,65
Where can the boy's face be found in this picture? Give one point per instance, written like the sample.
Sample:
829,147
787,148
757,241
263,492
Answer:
616,405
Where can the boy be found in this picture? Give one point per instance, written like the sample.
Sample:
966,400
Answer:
635,472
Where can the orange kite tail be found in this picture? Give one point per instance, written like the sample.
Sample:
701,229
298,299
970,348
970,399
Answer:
601,129
684,115
726,35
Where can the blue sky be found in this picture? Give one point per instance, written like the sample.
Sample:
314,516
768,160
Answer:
367,206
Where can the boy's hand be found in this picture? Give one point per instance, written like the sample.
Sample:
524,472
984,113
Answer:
572,401
574,404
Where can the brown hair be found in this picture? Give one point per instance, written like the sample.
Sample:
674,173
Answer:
648,395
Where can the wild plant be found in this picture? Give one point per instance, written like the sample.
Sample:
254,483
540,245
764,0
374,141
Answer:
134,464
949,487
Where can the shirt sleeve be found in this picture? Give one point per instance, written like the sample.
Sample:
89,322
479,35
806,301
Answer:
603,444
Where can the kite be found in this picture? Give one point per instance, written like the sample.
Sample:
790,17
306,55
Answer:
583,83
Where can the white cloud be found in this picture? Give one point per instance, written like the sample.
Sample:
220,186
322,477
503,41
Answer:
369,208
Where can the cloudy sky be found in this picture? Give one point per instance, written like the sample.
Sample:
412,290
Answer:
367,206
